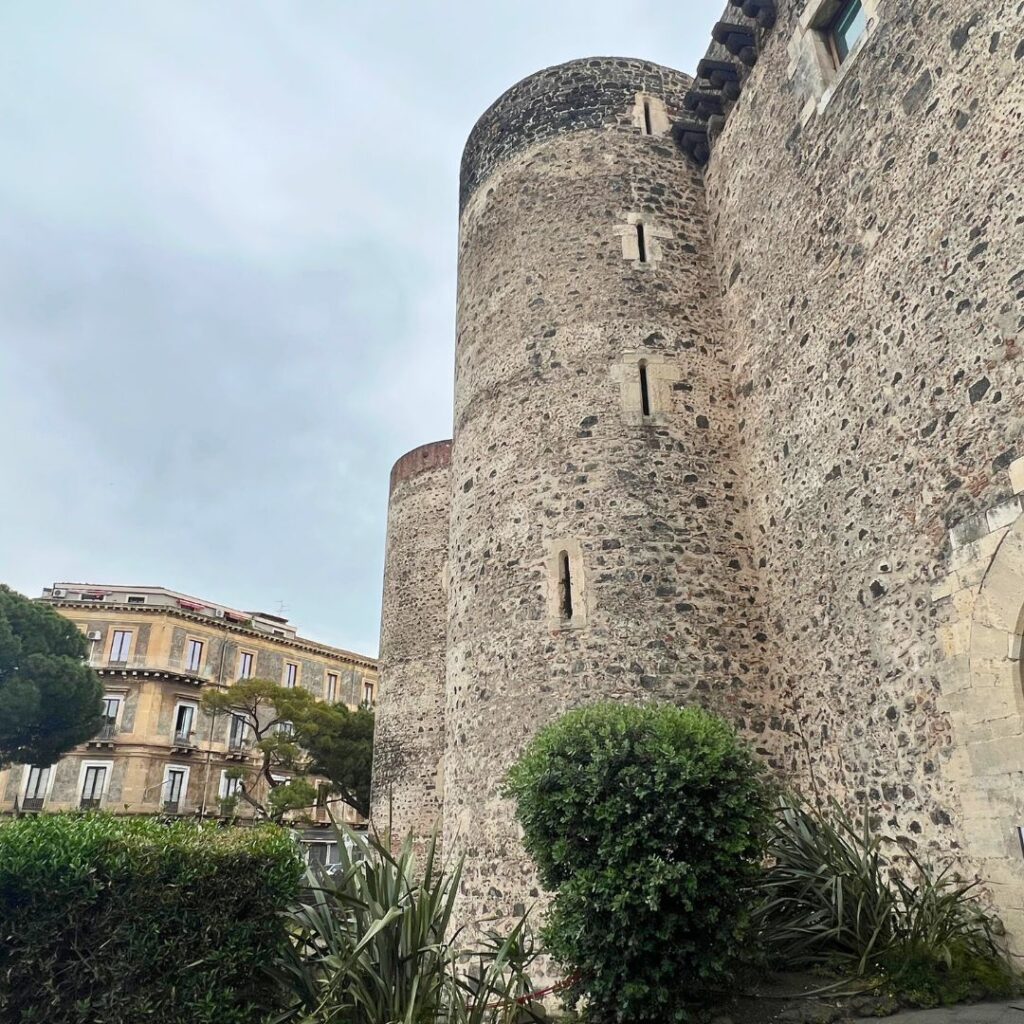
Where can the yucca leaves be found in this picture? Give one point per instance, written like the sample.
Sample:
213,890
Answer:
833,896
373,944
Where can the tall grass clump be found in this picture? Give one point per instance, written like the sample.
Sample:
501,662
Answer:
647,824
373,943
833,898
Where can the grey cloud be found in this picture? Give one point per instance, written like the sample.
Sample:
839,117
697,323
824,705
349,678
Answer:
227,266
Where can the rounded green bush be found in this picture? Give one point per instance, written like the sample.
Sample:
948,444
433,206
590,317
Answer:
649,824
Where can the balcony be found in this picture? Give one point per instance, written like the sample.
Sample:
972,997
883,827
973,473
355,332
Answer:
182,743
142,665
238,750
171,806
32,803
105,737
89,803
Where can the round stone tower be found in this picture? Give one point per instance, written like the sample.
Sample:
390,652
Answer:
408,783
599,544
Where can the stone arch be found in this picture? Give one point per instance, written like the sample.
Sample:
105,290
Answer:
987,706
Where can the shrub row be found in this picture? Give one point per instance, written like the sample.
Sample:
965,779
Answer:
110,920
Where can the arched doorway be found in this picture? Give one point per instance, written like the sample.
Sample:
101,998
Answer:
984,693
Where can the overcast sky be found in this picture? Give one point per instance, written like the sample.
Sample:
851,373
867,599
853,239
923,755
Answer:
227,275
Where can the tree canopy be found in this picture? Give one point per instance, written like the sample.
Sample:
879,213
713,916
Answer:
50,700
340,743
296,736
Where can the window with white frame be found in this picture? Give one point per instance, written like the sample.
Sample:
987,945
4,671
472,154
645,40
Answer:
37,783
229,786
237,729
367,693
193,654
175,786
291,674
111,709
184,722
321,852
245,664
332,687
94,779
120,646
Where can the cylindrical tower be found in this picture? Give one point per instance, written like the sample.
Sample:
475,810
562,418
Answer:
408,754
598,538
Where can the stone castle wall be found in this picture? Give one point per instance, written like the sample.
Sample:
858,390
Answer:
767,417
870,243
554,457
408,767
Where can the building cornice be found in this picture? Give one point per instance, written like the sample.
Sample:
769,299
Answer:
223,625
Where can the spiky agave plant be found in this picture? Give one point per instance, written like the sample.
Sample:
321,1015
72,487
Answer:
372,943
825,897
832,897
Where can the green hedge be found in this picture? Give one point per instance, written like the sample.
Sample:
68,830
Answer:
648,823
114,920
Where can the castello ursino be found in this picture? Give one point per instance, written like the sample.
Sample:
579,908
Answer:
738,421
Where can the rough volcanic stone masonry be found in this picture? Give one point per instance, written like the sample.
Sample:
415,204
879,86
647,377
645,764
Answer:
408,763
745,433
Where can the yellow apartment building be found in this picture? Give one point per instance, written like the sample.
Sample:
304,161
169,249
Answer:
159,751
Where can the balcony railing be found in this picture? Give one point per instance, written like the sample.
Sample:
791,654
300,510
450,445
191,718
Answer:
32,803
183,739
89,803
108,730
147,663
171,806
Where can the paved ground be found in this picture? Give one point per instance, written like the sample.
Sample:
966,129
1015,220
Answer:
798,999
986,1013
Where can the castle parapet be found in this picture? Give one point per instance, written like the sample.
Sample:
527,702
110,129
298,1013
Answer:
580,95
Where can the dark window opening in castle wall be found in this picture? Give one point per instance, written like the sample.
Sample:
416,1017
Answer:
565,585
641,243
645,392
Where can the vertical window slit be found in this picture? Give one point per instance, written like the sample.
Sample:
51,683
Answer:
641,243
647,118
565,585
645,393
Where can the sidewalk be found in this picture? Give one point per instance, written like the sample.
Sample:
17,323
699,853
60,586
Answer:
983,1013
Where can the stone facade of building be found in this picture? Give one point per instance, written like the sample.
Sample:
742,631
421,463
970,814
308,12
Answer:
736,419
159,750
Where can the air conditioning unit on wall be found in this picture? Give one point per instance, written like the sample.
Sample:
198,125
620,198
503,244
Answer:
57,592
94,634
